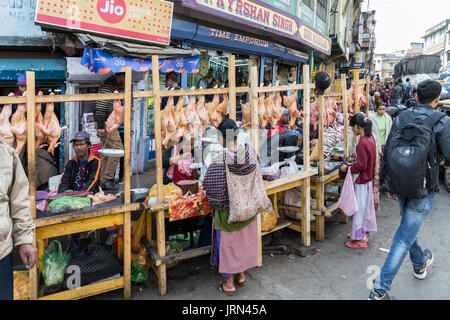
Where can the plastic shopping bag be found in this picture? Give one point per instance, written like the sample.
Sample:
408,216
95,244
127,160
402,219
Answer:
290,169
55,264
347,201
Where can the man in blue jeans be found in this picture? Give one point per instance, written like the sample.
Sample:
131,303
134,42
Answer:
414,211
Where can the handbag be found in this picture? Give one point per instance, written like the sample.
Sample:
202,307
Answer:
247,195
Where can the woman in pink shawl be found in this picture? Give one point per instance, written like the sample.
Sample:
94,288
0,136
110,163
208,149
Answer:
234,246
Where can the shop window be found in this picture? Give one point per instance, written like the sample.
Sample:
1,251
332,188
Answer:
321,10
309,3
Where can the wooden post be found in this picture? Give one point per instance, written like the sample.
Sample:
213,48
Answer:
306,193
232,86
160,232
127,182
321,137
31,158
367,95
345,111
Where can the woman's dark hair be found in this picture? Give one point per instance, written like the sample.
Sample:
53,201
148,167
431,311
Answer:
380,104
428,90
361,121
227,125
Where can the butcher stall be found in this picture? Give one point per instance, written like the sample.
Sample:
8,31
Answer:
172,202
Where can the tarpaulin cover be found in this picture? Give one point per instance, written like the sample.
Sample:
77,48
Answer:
102,62
418,64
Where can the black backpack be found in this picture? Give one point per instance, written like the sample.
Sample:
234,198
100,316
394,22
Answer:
410,164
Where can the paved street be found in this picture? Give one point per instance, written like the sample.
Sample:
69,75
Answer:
335,272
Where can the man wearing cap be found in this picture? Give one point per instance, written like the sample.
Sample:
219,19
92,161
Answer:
82,172
281,125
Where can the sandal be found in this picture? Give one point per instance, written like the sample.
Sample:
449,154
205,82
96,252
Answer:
227,292
240,283
354,244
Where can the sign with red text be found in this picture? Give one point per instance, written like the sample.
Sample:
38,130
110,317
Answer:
135,20
262,16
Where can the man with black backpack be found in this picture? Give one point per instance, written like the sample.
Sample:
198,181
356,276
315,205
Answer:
411,172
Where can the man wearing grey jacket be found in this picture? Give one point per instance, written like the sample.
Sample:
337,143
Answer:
16,223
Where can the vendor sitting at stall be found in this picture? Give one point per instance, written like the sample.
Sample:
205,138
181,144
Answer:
82,172
177,160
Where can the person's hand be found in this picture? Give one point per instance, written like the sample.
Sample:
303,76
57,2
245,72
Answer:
28,254
344,168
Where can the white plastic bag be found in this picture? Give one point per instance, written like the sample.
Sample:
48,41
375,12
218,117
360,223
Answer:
290,169
347,201
293,197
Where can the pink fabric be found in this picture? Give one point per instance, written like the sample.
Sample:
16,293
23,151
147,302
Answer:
172,167
239,249
370,221
184,167
347,201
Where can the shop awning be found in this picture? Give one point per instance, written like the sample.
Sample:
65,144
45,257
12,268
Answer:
45,69
99,61
123,48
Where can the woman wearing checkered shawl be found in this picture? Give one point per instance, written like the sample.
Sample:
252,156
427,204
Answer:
235,246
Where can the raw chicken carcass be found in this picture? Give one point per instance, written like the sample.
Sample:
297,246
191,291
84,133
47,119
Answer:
168,125
263,117
194,125
19,126
291,103
202,113
40,130
351,97
315,114
117,117
270,109
223,106
6,135
180,120
53,129
246,116
213,114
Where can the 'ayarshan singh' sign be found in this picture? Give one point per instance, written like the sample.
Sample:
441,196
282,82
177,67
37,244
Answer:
138,20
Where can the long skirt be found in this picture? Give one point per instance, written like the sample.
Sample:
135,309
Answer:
364,221
235,252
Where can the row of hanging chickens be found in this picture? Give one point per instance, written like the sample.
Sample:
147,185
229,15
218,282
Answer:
269,110
47,127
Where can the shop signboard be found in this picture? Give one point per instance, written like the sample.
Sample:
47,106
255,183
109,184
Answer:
357,66
133,20
258,14
287,6
236,42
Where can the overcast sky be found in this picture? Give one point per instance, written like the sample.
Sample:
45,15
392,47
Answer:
400,22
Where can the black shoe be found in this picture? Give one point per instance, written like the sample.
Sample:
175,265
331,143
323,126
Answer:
374,295
421,273
109,185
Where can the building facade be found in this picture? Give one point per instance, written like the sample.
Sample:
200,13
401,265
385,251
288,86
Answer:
437,41
385,63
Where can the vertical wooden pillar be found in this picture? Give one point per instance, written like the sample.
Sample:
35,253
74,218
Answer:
127,185
306,193
160,232
321,137
345,111
232,86
31,158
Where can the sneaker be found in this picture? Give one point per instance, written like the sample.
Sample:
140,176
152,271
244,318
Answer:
375,295
421,273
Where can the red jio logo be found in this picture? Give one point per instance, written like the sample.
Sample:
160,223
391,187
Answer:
112,11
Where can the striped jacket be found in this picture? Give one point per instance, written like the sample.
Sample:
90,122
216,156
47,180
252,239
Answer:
103,108
91,178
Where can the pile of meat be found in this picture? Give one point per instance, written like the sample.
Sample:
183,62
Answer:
331,137
100,197
47,128
329,116
351,97
269,110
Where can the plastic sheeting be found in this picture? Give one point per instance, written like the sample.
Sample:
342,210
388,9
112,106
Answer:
102,62
418,64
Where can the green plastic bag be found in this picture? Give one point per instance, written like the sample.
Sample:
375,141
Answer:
68,203
55,264
139,273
